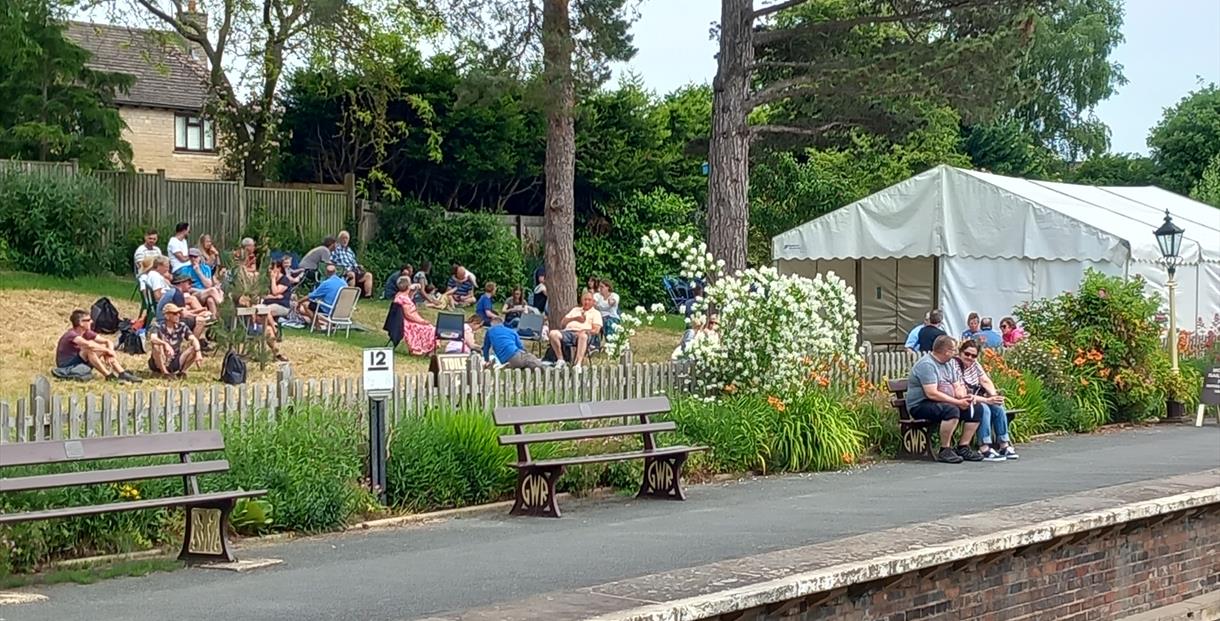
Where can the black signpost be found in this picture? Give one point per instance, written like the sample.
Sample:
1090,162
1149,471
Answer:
1210,396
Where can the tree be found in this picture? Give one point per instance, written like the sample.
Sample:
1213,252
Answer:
257,40
55,108
1114,169
560,212
1004,148
1208,188
848,65
1187,138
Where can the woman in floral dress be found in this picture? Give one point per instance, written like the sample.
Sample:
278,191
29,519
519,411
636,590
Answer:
417,332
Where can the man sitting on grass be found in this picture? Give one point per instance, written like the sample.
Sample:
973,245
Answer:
323,296
81,345
485,308
575,330
506,344
935,392
169,357
461,286
194,315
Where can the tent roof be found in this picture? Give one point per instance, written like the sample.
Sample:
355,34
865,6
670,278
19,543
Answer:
950,211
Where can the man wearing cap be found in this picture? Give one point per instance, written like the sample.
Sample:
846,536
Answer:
203,286
192,312
324,295
169,356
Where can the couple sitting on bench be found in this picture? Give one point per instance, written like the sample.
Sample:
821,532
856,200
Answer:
947,389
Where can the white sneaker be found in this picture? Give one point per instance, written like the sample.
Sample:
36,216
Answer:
559,364
578,368
1009,453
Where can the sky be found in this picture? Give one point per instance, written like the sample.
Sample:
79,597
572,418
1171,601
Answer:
1171,48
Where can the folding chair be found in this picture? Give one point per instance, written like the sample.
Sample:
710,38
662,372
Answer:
450,326
340,314
148,306
529,328
678,291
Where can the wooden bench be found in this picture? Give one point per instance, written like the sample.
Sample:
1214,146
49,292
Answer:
919,437
207,515
536,479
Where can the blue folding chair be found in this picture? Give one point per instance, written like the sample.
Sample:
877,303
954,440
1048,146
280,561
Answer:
678,291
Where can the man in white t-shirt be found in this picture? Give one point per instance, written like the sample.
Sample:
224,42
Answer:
575,330
179,249
147,249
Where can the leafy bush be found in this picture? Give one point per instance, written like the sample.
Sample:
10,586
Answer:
608,243
310,461
413,232
284,234
55,224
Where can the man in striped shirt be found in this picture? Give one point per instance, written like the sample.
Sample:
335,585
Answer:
461,286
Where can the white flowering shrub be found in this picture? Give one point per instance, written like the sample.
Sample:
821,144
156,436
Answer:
773,328
619,341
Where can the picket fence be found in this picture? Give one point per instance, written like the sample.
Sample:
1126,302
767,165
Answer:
47,416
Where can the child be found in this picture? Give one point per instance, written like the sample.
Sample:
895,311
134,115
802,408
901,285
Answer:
435,299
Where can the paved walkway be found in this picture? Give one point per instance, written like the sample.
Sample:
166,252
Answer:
420,571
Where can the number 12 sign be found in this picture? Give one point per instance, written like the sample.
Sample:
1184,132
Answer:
378,370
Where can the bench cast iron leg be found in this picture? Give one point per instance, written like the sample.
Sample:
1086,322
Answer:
536,492
206,538
663,477
917,442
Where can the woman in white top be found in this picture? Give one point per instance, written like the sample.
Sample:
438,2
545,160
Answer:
154,275
606,302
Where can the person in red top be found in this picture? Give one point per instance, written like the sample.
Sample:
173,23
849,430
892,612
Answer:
80,345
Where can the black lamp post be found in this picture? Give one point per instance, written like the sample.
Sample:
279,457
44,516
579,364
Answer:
1169,238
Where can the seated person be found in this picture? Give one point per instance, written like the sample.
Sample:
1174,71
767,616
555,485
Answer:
935,392
485,308
467,344
193,314
973,327
1010,332
390,288
148,249
205,288
987,401
929,333
81,345
323,296
317,258
155,276
461,286
987,337
421,274
211,254
912,341
539,300
246,260
575,330
515,307
264,323
433,298
174,348
605,300
284,281
506,344
344,259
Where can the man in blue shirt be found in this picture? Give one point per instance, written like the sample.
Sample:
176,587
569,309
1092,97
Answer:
913,336
987,337
485,308
507,346
324,295
203,286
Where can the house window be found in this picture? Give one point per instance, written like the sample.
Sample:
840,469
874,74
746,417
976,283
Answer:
193,133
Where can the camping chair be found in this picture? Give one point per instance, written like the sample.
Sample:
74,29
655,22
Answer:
450,326
148,307
678,291
529,328
338,315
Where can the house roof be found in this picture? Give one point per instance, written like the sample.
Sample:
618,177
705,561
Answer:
165,75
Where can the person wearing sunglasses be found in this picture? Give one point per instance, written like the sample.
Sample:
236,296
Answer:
988,404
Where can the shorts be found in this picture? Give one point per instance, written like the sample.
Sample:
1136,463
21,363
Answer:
312,305
939,411
73,361
569,337
173,365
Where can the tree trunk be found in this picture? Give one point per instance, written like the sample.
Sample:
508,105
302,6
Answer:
557,47
728,184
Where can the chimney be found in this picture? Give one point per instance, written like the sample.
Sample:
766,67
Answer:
200,20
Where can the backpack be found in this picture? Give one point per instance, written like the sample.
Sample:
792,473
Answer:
105,316
129,339
233,369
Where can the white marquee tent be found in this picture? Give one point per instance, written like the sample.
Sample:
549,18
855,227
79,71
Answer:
969,241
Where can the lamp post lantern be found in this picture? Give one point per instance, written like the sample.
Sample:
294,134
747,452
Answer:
1169,239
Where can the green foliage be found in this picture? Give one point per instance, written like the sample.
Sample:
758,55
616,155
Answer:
309,459
272,233
1114,169
1207,190
1187,139
1005,148
815,431
53,224
737,429
414,233
252,516
55,107
608,244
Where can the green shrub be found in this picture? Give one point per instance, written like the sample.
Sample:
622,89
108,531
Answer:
288,235
310,461
815,431
608,243
413,232
736,428
55,225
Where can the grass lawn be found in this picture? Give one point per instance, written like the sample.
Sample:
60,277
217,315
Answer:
36,309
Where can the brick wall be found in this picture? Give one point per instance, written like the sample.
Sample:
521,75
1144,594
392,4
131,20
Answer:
1100,574
151,134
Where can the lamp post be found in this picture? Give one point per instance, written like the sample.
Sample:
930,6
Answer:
1169,238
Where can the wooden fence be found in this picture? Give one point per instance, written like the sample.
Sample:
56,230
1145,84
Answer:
47,416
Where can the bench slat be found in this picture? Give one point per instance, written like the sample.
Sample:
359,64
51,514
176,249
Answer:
50,452
581,434
94,477
597,459
528,415
151,503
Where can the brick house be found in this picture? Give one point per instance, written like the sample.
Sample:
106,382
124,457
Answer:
163,109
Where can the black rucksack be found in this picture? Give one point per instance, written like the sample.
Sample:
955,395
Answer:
129,341
233,369
105,316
